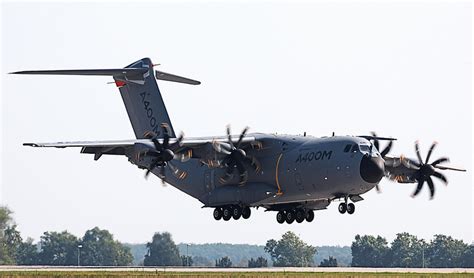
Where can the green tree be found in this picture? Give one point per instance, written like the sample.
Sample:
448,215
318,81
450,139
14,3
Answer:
224,262
444,251
468,257
329,262
369,251
100,249
58,249
27,253
290,250
407,251
10,238
162,251
259,262
186,260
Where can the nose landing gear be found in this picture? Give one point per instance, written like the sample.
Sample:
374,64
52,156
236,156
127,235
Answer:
346,207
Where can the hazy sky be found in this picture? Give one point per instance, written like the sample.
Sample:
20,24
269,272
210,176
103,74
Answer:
401,69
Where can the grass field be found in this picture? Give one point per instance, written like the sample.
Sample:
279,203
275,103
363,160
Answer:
51,273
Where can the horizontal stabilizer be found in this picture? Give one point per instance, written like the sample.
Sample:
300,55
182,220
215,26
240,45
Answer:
174,78
101,72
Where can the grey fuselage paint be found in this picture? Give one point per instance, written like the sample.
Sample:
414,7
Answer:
303,169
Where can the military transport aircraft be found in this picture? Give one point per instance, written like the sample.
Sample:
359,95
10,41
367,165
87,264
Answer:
292,175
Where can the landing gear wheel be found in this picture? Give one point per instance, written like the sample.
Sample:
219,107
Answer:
246,213
217,213
309,215
300,215
226,214
236,212
342,208
290,216
350,208
281,217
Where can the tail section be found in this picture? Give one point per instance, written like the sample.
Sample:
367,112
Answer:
139,91
143,101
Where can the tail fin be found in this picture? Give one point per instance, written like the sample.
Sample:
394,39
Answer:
140,93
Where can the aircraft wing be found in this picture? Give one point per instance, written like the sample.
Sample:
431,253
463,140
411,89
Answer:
119,147
191,142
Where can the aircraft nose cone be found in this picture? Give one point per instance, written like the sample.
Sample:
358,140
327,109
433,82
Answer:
372,169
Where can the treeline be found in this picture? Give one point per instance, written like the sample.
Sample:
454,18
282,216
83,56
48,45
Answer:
96,248
407,250
207,253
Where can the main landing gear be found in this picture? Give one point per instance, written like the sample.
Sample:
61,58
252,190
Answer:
232,211
291,215
346,207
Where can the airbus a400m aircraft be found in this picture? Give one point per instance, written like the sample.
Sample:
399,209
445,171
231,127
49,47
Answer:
292,175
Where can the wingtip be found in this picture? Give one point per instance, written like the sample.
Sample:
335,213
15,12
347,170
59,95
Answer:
30,144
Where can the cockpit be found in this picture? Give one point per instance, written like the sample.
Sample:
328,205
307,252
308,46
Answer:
362,147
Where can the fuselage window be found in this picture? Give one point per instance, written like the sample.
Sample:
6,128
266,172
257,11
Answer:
355,148
364,148
347,148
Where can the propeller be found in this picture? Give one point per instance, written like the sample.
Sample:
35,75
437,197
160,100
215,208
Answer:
425,170
163,153
386,150
383,153
235,158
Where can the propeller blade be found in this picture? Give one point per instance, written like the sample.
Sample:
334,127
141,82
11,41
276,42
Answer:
441,177
386,150
431,187
440,160
229,137
178,173
147,173
149,135
178,142
376,141
228,174
417,150
166,135
242,172
242,136
254,162
184,156
449,168
418,188
430,151
221,147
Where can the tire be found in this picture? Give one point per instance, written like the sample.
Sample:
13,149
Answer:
217,213
281,217
350,208
342,208
310,215
236,212
246,212
226,214
299,215
290,216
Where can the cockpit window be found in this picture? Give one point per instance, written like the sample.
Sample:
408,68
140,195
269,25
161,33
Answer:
364,148
347,148
355,148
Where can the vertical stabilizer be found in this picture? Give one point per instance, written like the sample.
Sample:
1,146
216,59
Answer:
143,100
